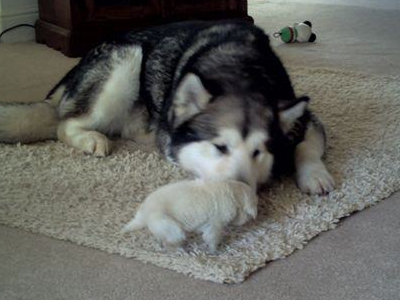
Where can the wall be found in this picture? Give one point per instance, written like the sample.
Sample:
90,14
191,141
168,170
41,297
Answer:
14,12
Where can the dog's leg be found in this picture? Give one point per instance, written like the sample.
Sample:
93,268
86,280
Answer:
212,236
312,175
77,133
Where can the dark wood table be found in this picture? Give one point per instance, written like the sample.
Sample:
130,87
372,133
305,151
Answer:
75,26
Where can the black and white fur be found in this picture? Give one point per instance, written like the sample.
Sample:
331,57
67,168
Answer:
214,96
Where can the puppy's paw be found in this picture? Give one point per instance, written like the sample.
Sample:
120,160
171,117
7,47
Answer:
314,179
95,143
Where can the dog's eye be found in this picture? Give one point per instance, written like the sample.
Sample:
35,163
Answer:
256,153
223,149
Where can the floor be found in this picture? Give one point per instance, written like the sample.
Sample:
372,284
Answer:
358,260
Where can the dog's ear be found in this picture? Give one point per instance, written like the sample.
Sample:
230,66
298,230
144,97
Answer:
190,98
289,112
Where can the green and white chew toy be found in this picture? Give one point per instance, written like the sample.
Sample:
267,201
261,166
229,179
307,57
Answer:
299,32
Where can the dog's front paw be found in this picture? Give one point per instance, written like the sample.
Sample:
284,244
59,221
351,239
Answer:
314,179
95,143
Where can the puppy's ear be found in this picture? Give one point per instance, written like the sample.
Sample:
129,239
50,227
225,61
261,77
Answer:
290,112
190,98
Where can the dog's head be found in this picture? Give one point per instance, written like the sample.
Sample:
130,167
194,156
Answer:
227,136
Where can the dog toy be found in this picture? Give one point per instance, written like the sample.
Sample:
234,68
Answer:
299,32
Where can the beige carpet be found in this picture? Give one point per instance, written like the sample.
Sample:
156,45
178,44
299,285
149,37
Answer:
51,189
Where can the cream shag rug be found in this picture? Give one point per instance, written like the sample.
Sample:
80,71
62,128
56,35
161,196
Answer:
51,189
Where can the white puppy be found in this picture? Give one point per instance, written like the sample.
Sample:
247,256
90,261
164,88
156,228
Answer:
196,205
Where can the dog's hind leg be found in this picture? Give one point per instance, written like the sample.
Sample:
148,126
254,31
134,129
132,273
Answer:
166,229
312,175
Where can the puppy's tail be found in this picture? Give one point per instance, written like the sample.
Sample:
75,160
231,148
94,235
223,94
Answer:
135,224
29,122
165,228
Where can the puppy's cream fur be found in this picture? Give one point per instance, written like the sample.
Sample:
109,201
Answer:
195,206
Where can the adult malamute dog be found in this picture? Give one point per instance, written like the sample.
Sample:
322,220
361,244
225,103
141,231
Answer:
217,99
